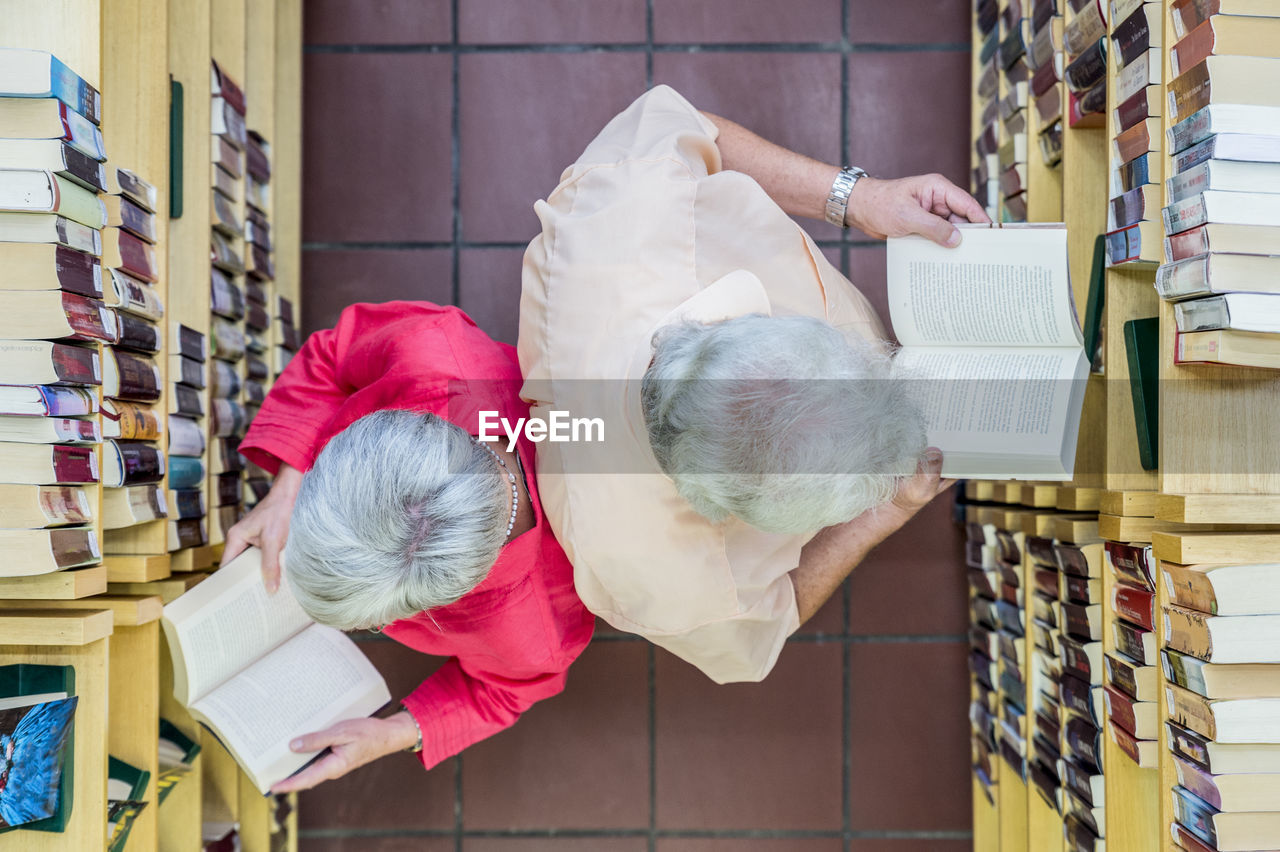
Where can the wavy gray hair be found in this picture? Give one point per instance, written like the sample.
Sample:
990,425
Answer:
778,421
402,512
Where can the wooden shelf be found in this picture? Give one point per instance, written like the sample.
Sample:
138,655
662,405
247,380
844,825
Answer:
1190,548
136,569
57,627
61,585
167,589
126,610
1140,504
1220,508
1079,499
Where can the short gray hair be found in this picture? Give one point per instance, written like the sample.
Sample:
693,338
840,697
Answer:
402,512
779,421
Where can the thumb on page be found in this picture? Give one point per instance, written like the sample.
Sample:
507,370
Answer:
926,224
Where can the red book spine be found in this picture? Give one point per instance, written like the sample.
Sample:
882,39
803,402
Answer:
1193,48
76,366
1128,742
1189,841
85,316
1136,605
1130,563
78,272
137,258
1188,244
1044,78
74,464
66,505
1132,111
1133,143
1120,707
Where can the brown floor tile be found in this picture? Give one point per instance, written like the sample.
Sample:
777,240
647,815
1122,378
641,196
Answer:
363,180
750,844
721,21
579,760
490,290
394,791
914,582
792,99
909,731
526,117
331,280
375,844
909,22
376,22
761,755
555,844
889,140
910,844
868,272
558,21
829,619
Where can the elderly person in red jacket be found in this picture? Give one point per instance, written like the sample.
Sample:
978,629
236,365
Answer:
393,516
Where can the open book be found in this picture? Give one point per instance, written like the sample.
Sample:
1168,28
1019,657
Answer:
258,672
989,331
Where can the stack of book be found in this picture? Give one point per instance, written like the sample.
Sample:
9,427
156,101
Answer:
1045,766
1085,42
1011,640
1079,561
289,336
52,317
1132,676
1222,223
133,462
1045,60
984,623
227,332
1221,659
1133,222
986,172
188,352
1015,40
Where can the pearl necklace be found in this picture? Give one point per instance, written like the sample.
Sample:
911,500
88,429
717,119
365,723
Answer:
515,493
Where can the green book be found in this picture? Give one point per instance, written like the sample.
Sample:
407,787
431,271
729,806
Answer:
1142,346
1095,303
126,793
177,750
39,740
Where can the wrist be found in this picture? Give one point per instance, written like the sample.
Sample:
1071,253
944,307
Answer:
406,735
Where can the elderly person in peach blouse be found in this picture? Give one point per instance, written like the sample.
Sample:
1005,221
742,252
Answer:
759,439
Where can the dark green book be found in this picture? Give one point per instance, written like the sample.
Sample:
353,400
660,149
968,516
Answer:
1142,346
39,740
177,752
1095,303
126,794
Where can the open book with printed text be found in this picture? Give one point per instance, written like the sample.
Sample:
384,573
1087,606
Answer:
258,671
989,333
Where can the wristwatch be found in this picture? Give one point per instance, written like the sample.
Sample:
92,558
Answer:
838,198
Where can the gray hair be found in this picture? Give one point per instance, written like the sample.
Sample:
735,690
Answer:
778,421
402,512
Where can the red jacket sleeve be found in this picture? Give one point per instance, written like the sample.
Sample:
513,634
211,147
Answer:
291,422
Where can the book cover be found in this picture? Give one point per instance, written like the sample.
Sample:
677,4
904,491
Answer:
37,742
1142,349
39,74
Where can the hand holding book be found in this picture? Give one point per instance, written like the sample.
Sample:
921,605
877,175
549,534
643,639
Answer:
928,205
351,744
267,526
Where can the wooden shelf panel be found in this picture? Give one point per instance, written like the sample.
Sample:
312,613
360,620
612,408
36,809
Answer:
60,628
1189,548
126,610
66,585
1139,504
167,590
1079,499
136,569
1219,508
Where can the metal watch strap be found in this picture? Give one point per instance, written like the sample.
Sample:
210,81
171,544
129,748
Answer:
416,747
838,198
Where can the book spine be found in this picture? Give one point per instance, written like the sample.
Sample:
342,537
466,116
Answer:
1136,605
1076,660
1121,675
1132,37
68,401
1131,641
187,401
1076,695
1130,562
1189,588
77,272
1086,70
1191,711
1133,143
1187,672
1195,155
137,334
1137,75
1186,245
1132,111
1195,816
1189,14
137,422
1192,129
1120,709
228,489
89,319
1044,78
1187,631
134,296
1184,278
1189,744
1193,48
137,258
1077,588
1122,9
72,430
74,465
1199,783
1127,742
141,462
1082,739
1189,92
1042,46
1191,182
1086,28
1080,782
1185,214
189,503
68,87
185,472
1043,12
139,378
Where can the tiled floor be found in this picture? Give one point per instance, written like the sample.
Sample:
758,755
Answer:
431,127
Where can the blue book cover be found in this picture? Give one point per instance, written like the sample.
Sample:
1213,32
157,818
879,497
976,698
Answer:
185,472
43,75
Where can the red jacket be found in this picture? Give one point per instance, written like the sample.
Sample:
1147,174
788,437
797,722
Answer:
512,638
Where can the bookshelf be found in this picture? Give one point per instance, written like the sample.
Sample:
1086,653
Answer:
1213,497
151,61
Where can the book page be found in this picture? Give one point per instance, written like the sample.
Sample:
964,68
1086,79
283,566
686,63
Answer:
999,287
227,622
315,679
1010,403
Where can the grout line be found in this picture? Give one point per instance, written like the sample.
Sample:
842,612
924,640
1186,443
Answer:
644,47
846,650
653,749
648,39
543,833
427,245
455,154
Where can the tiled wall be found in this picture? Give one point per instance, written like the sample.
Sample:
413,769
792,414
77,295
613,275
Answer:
431,127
